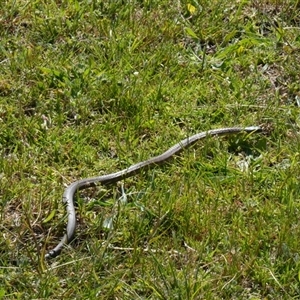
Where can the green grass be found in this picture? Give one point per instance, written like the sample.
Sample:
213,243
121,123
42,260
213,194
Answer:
91,87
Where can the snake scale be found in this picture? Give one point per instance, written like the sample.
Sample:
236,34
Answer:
68,196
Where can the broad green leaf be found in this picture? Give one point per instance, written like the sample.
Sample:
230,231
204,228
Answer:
191,33
50,217
46,70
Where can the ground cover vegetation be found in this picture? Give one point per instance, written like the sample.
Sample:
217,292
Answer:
91,87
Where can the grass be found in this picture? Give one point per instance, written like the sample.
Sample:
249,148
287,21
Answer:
91,87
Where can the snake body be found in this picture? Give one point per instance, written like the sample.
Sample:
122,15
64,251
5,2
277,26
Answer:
68,196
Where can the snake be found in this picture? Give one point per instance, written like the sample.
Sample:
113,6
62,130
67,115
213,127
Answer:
70,191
